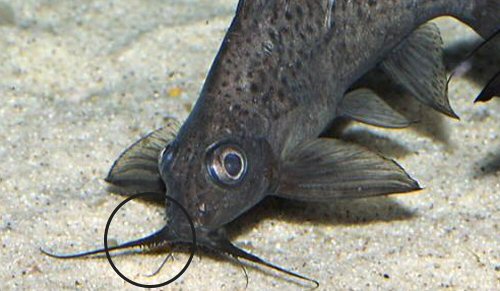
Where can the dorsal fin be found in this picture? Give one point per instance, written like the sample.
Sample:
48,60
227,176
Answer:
417,64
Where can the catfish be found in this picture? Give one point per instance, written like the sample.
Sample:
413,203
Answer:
282,75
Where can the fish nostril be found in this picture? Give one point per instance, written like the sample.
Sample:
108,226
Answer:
202,208
167,154
162,154
166,160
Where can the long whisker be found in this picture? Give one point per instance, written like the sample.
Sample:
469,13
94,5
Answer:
244,271
156,239
231,249
169,256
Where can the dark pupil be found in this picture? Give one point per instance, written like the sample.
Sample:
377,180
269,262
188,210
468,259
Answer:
232,164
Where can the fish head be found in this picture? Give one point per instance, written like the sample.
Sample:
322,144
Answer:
216,177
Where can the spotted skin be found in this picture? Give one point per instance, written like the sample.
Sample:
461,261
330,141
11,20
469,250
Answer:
276,82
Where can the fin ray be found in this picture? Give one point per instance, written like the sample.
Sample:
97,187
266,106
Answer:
365,106
417,64
136,169
327,169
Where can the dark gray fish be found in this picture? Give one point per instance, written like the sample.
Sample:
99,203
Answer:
281,76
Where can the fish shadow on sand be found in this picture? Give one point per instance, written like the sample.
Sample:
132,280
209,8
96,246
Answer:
343,212
375,142
340,212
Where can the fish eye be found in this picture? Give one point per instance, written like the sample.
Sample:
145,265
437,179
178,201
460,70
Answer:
226,164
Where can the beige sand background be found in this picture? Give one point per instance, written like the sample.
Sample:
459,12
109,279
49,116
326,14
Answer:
80,80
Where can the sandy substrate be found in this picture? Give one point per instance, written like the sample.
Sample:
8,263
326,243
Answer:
79,82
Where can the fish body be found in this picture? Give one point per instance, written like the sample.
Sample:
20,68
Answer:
277,82
281,76
282,73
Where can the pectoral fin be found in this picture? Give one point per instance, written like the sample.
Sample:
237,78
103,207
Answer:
417,64
327,169
365,106
136,169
